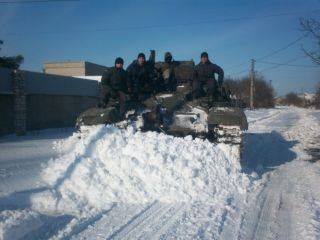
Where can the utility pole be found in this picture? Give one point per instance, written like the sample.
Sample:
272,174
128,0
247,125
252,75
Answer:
252,83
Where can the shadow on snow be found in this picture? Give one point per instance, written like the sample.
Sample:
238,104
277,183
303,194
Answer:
265,151
50,225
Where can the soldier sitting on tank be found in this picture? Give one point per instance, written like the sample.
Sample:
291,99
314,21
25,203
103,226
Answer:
114,86
140,78
204,81
167,70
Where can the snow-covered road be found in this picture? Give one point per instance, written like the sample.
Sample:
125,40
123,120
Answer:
287,205
112,184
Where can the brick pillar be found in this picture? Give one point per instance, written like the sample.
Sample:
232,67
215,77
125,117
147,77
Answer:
20,116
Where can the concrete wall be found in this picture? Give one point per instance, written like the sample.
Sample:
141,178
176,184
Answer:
6,102
65,68
94,69
55,111
6,113
51,101
5,81
74,69
39,83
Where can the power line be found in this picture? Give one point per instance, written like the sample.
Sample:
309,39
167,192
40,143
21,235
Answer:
106,29
282,48
277,65
237,65
36,1
242,71
271,54
289,65
282,64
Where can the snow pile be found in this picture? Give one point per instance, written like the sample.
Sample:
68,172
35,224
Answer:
15,224
109,165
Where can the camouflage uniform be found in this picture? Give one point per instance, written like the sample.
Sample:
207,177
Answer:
140,80
114,87
204,80
167,70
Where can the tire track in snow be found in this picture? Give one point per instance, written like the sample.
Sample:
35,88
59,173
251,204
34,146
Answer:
151,223
111,221
114,221
157,229
80,225
136,220
259,222
275,121
282,209
84,225
270,203
265,118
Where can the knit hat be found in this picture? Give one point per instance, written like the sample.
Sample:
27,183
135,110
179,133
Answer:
204,54
118,60
142,55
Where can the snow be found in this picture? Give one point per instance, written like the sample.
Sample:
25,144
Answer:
286,206
307,96
195,119
94,78
107,183
14,224
109,166
21,158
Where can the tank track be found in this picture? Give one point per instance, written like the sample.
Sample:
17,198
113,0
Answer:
228,135
231,135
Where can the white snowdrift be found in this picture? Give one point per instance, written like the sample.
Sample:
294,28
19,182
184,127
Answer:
15,224
108,166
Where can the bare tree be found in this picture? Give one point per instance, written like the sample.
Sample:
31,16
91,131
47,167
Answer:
264,94
293,99
312,27
317,97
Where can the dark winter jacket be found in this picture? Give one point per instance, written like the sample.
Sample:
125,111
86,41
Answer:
204,75
140,78
114,82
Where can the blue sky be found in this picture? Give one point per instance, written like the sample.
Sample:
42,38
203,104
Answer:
99,31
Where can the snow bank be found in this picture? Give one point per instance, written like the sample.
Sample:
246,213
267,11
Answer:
109,165
15,224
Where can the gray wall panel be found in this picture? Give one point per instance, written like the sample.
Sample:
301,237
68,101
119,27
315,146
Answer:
39,83
5,80
54,111
6,114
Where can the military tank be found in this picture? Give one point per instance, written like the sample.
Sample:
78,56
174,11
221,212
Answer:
215,117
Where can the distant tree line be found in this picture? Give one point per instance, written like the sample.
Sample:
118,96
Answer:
13,62
264,94
317,97
294,99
